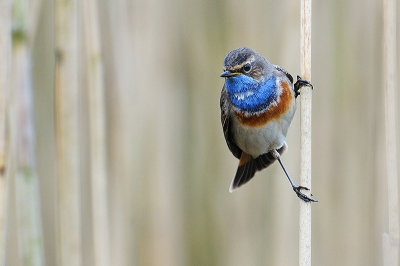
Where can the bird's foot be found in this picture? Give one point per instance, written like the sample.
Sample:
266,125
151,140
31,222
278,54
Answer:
300,83
302,196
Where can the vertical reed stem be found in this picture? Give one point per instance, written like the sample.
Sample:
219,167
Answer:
97,134
22,132
67,132
5,51
391,240
305,139
30,241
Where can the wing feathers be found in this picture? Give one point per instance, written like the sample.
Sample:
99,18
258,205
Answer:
225,121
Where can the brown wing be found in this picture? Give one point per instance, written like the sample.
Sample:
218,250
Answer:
226,124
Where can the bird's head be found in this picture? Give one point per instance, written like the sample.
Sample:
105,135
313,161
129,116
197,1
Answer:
245,61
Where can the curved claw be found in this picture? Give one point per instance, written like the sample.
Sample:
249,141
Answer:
300,83
302,196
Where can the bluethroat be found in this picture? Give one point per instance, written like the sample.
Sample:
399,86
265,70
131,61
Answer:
258,102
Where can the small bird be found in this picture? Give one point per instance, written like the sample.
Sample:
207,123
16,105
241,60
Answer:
258,102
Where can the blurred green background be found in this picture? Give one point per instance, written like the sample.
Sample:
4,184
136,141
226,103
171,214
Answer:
169,168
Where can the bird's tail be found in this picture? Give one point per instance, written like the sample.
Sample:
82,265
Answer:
248,166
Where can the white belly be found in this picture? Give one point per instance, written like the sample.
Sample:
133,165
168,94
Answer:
259,140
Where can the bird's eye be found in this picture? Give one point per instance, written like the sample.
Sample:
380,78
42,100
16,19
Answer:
247,67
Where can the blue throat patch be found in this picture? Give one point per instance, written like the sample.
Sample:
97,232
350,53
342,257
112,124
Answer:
249,95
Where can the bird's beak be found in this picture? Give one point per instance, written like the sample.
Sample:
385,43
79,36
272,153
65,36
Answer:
228,74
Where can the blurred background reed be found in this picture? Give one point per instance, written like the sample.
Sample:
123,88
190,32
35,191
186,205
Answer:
150,162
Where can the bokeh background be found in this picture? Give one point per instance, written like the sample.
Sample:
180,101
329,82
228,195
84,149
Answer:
169,168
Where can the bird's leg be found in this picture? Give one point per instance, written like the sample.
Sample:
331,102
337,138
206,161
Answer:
300,83
295,188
